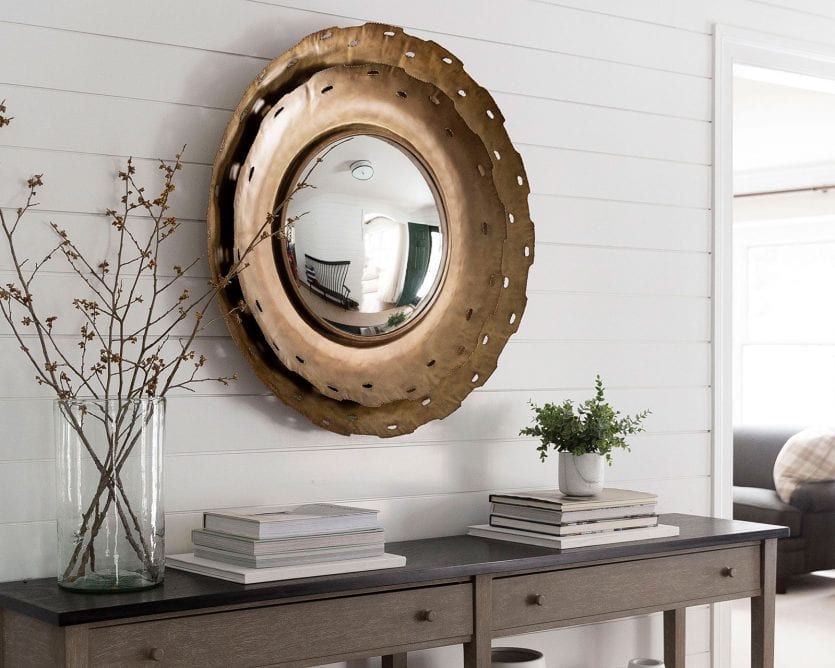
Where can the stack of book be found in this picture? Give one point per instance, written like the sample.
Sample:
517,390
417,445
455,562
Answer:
264,544
552,519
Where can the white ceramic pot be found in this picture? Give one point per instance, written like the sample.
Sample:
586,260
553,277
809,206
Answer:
516,657
581,475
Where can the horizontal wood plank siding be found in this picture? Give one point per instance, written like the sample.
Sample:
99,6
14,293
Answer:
610,105
201,424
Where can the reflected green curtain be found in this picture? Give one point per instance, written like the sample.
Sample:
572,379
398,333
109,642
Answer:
417,263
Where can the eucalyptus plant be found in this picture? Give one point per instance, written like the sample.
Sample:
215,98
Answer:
592,427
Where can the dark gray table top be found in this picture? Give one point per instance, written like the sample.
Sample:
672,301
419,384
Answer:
429,559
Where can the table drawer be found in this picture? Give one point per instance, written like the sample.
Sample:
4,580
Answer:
290,632
540,598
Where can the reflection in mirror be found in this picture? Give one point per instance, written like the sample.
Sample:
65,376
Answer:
364,243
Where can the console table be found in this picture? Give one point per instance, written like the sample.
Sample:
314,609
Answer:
453,590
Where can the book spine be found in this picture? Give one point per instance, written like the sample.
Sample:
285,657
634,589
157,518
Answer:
537,514
581,540
572,528
573,506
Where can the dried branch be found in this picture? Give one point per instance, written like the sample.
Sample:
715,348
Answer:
129,315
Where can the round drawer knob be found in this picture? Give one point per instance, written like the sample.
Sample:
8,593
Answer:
728,571
429,615
157,654
539,599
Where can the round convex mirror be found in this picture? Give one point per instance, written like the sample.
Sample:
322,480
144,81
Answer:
366,358
364,242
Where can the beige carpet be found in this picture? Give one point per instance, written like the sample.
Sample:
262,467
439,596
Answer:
805,630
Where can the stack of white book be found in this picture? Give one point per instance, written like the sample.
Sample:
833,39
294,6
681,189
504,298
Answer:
552,519
249,545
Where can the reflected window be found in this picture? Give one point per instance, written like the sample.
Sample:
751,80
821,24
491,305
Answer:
784,323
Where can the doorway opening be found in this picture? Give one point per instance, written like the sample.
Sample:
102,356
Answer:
783,285
774,259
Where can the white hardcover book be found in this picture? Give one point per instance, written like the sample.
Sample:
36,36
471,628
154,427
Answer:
290,558
566,542
242,575
556,500
571,529
274,546
289,521
550,516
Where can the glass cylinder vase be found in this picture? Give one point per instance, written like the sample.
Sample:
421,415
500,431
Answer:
111,524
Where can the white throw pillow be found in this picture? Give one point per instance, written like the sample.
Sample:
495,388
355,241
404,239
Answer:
808,456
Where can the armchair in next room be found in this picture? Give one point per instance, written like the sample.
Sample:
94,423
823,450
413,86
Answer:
810,515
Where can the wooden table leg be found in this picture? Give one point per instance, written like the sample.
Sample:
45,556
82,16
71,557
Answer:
76,646
674,628
477,651
395,660
762,609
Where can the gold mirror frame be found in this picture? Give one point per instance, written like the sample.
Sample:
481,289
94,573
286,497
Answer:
375,79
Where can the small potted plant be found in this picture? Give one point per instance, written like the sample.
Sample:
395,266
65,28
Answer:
584,436
395,319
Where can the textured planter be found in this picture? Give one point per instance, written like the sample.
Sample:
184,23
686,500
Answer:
111,526
581,475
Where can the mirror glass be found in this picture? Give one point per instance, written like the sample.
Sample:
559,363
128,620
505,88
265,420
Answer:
365,241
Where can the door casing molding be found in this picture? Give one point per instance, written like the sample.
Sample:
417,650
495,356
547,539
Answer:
737,46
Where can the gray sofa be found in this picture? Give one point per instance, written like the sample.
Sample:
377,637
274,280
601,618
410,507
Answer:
810,516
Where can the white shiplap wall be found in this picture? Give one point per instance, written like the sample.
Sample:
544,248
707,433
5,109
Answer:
609,104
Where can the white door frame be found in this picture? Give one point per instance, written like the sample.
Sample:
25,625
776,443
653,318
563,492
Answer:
731,46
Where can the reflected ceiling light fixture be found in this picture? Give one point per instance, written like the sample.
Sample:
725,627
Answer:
362,170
